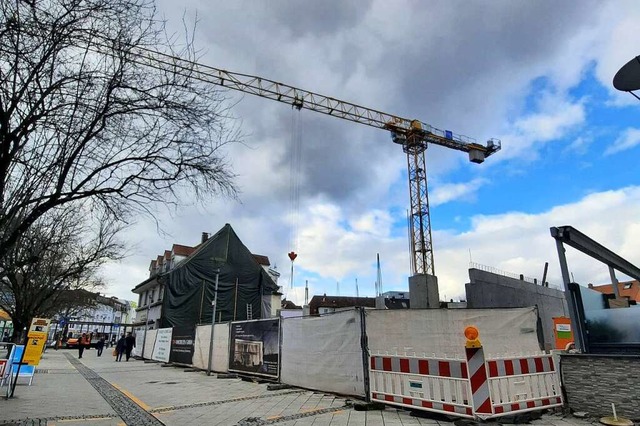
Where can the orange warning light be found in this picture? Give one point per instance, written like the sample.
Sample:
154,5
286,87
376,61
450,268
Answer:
472,333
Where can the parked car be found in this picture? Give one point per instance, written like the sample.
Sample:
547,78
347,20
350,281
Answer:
72,342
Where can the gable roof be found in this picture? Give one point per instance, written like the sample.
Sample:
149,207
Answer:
180,250
262,260
191,283
325,301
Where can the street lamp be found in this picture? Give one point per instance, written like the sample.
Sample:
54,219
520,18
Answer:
213,321
146,326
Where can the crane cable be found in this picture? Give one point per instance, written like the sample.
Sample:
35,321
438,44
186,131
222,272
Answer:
295,166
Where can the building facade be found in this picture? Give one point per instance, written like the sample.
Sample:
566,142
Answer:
151,309
629,290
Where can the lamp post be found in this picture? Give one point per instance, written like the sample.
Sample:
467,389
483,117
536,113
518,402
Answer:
146,326
213,321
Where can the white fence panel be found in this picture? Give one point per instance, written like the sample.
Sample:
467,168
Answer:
438,333
220,347
139,335
523,384
162,346
149,342
323,353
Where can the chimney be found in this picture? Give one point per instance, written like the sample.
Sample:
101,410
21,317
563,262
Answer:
205,237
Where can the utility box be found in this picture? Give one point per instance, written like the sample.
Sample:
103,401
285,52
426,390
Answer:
562,332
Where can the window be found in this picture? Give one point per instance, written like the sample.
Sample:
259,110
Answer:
153,295
627,286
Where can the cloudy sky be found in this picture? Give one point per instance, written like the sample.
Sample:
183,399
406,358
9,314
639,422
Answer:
536,75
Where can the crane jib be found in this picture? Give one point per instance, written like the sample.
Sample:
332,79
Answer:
412,135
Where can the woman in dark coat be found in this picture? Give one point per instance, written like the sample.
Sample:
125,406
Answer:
130,343
121,346
100,346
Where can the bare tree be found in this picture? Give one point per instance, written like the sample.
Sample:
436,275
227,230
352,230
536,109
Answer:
51,261
82,119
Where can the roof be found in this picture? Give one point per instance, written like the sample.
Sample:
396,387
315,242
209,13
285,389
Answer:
288,304
180,250
153,264
160,260
261,259
396,303
148,283
632,293
167,255
325,301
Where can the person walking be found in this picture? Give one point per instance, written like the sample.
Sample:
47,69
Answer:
83,343
130,343
120,348
100,346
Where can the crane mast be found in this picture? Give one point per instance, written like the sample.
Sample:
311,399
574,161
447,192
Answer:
413,135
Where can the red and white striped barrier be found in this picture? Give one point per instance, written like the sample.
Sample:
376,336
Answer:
479,383
437,385
475,388
524,384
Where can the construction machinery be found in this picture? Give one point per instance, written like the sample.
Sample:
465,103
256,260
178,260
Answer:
413,135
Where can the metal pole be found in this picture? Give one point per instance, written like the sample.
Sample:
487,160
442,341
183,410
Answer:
146,326
213,322
573,312
614,282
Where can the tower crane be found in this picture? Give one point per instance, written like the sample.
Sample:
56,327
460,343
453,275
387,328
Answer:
413,135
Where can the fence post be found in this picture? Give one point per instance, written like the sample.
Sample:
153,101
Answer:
364,345
477,373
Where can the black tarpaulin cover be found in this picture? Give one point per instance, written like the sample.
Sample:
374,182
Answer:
190,286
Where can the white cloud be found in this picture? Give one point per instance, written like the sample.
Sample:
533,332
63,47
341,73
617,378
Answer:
627,140
556,117
515,242
455,191
521,243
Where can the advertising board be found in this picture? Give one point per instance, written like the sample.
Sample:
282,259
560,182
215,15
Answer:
255,347
182,344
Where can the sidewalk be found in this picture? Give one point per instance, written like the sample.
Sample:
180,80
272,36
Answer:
98,391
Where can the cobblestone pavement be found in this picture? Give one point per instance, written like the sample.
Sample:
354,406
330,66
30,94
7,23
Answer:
127,409
99,392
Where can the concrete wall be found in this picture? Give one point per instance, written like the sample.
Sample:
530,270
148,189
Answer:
593,382
489,290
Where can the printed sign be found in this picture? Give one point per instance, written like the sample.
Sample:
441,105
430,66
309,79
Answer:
162,347
3,366
182,344
36,339
255,347
564,331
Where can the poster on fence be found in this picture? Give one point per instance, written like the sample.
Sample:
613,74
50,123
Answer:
162,346
182,344
255,347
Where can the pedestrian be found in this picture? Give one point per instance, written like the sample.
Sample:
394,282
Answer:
83,343
100,345
130,342
120,348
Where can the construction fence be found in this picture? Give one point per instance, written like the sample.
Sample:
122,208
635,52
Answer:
412,358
